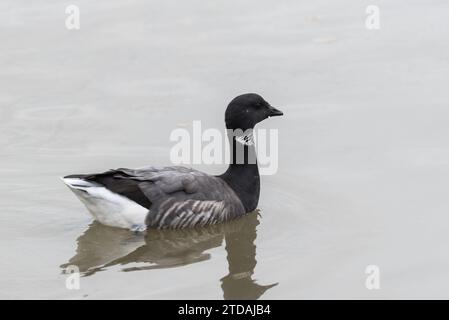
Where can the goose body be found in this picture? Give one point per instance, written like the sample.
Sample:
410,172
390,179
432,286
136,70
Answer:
179,197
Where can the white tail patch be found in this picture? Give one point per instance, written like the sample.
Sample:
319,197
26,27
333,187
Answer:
107,207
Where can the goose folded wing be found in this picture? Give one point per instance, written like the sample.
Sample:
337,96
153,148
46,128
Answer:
158,183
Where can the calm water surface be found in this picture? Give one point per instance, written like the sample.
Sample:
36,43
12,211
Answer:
363,151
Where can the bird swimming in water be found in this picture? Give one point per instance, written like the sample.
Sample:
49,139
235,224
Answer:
178,197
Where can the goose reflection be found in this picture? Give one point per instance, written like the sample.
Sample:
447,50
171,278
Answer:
101,247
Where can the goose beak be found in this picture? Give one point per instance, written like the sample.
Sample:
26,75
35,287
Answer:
275,112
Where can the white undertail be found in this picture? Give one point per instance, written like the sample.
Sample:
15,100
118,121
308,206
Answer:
107,207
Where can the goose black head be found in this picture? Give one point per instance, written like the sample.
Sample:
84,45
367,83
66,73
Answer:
246,110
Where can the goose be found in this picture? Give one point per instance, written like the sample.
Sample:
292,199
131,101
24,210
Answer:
177,197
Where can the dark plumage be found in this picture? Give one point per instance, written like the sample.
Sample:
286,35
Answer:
179,197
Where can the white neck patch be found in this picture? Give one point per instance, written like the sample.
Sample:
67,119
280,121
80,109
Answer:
246,139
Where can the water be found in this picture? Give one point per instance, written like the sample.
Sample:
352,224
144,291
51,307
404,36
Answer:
363,152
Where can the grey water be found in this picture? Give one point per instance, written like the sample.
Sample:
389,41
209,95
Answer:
363,164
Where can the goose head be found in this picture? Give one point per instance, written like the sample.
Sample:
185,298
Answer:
246,110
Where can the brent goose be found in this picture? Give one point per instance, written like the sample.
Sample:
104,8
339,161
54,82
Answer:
179,197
